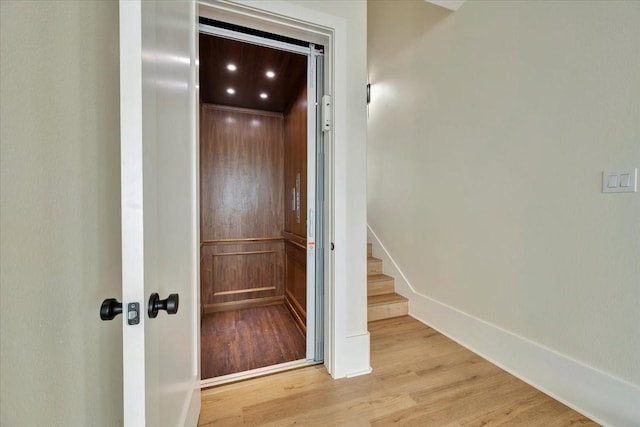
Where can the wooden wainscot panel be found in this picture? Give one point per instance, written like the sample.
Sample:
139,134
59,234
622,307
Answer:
241,275
296,282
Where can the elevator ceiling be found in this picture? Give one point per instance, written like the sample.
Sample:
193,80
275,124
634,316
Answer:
244,75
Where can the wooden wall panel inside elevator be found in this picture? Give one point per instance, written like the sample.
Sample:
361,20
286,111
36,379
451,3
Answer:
242,207
241,155
295,230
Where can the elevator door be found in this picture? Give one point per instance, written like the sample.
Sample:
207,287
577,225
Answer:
297,246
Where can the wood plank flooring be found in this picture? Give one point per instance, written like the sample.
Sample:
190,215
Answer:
420,378
240,340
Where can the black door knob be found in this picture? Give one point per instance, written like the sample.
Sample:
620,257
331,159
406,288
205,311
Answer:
110,308
156,304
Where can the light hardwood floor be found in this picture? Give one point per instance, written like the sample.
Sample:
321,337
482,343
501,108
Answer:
420,378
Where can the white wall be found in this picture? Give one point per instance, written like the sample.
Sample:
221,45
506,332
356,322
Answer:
488,130
60,214
60,218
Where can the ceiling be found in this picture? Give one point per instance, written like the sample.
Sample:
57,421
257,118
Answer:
249,79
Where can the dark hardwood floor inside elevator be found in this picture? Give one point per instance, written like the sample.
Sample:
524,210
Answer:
250,338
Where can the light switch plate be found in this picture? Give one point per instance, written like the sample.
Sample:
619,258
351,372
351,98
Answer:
620,181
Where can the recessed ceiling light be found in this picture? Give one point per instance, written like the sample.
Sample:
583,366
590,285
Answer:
264,95
231,67
270,74
231,91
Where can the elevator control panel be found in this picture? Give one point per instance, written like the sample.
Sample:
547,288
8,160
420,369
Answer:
326,113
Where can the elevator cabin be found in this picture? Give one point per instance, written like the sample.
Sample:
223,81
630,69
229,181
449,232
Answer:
258,197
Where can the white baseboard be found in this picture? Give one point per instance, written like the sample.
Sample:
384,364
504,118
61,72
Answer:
605,399
356,357
192,405
358,373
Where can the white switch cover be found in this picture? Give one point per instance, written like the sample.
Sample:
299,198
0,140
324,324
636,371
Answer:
620,181
625,180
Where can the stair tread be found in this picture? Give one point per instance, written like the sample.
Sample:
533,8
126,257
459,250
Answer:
373,259
380,277
385,299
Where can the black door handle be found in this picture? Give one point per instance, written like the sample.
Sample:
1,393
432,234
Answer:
156,304
110,308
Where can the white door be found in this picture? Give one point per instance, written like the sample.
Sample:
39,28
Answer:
159,211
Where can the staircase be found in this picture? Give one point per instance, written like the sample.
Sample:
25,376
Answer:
383,302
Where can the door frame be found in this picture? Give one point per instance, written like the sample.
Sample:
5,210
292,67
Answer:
322,33
315,220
